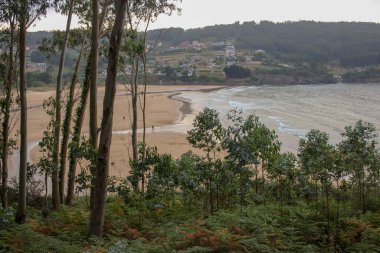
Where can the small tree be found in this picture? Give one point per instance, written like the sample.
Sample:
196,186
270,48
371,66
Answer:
282,170
317,158
207,135
249,143
358,153
46,162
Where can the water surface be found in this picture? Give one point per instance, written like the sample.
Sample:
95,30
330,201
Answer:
294,110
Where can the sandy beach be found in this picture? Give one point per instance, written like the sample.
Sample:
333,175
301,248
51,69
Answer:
169,114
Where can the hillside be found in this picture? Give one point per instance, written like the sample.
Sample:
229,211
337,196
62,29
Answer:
304,52
348,44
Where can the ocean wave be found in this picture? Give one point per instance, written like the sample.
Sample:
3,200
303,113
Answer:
284,128
241,105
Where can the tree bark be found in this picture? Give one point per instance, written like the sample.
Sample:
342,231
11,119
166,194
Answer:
79,118
21,209
134,91
93,89
100,187
80,111
57,192
58,175
5,126
67,125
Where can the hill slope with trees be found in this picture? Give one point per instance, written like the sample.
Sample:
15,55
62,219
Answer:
345,43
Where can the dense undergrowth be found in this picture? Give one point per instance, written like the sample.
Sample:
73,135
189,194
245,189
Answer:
260,228
252,198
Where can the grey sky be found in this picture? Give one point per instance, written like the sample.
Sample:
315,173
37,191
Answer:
199,13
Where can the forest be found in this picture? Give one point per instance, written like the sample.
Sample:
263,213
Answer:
346,44
343,43
235,191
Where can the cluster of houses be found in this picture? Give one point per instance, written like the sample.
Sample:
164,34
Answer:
208,62
36,67
229,44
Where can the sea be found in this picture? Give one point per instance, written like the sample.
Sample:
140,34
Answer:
295,109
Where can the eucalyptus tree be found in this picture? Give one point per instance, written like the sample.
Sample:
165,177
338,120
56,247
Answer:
57,192
207,135
8,17
359,150
85,15
282,170
27,12
79,37
162,181
317,158
102,164
65,7
45,164
239,152
188,179
249,143
140,14
94,52
52,46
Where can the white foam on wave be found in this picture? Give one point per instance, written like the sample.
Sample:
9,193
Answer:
284,128
241,105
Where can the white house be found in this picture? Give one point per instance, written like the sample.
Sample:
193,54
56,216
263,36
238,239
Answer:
230,51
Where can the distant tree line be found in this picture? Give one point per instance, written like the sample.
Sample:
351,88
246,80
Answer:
345,43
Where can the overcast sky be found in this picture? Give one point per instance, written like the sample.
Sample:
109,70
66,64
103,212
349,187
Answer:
200,13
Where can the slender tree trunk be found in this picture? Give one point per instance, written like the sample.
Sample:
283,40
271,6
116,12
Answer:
134,90
1,179
281,196
79,118
46,190
336,237
256,180
56,193
327,193
93,91
5,130
21,209
58,175
211,197
241,194
67,125
100,189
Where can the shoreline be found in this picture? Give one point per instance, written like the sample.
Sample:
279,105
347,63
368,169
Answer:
161,94
185,109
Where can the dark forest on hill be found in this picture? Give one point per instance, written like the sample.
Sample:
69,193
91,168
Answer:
345,43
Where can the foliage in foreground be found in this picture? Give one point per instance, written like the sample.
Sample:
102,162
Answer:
259,229
241,194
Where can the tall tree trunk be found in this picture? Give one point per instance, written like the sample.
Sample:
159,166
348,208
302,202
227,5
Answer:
98,207
21,209
58,175
5,126
79,118
67,123
57,193
134,91
336,236
93,90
